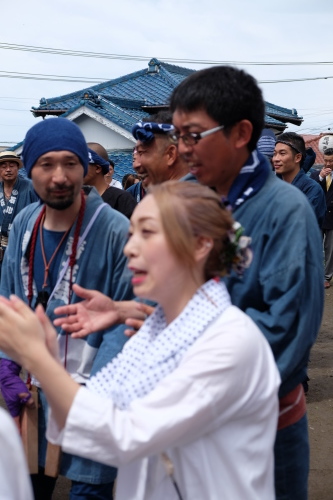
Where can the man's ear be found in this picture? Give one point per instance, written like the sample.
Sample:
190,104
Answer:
98,169
202,248
172,154
242,133
298,158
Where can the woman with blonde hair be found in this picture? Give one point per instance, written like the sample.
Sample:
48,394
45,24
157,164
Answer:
188,409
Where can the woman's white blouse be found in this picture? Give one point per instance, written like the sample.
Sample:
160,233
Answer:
215,416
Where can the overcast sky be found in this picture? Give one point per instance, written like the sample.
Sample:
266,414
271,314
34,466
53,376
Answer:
218,30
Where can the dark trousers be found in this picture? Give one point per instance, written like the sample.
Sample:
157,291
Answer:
292,456
43,487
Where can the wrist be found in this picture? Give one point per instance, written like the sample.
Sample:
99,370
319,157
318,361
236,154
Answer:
36,357
126,309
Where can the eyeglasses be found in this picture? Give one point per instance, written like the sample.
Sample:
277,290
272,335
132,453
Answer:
192,138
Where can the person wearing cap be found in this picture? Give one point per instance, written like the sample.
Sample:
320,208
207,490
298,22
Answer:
288,159
71,237
15,194
99,164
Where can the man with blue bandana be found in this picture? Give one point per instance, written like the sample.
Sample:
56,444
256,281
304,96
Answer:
158,156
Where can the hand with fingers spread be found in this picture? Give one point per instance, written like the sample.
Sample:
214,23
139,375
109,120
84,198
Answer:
95,312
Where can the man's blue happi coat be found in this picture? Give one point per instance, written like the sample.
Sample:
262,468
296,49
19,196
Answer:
314,194
282,290
100,265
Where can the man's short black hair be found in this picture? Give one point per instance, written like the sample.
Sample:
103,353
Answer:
293,140
328,152
226,94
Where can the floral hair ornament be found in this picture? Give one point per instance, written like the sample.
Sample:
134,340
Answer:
237,253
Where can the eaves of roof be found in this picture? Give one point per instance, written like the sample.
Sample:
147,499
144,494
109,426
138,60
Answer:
150,86
53,102
271,122
283,114
132,96
124,118
17,146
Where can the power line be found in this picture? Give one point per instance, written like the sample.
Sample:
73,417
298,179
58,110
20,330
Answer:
82,79
127,57
11,98
52,78
10,109
290,80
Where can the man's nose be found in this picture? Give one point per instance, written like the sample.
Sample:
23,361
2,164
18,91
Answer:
59,173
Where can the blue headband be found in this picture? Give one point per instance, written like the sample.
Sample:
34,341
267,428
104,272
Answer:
145,131
98,160
54,134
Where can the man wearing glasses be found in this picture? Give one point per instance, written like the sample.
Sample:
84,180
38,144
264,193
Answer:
324,177
15,194
218,114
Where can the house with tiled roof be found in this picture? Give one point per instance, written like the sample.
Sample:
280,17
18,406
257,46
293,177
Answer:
106,112
313,141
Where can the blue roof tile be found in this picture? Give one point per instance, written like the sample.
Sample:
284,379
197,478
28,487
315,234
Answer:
126,95
122,99
122,159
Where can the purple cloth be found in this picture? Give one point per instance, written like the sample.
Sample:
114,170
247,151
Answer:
11,386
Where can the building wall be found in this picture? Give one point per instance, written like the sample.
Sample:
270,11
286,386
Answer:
94,131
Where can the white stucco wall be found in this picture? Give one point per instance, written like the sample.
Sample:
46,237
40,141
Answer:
94,131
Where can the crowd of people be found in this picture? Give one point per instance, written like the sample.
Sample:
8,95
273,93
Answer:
169,351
